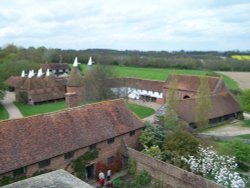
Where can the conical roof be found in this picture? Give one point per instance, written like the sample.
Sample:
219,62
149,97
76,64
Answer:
75,78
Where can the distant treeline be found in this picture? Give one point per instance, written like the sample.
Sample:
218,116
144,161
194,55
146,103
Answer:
16,58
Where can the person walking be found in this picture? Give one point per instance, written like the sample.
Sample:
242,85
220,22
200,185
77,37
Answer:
108,175
101,177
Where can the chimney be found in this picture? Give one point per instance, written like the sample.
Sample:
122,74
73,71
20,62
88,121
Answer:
71,99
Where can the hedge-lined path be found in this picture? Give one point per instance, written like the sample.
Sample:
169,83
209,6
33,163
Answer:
13,111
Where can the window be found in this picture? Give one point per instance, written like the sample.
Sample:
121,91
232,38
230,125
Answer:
131,133
44,163
111,140
110,160
69,155
92,147
19,171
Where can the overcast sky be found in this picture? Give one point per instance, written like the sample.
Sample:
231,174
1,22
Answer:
127,24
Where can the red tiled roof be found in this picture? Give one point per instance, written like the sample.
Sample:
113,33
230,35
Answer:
149,85
30,140
75,78
192,83
221,105
14,81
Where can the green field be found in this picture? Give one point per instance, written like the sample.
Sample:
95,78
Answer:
241,57
161,73
3,113
141,111
29,110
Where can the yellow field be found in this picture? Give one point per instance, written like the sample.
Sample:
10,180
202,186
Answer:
241,57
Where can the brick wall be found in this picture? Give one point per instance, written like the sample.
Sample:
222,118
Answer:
71,100
105,151
78,90
169,174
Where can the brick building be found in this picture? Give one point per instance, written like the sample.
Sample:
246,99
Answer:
51,141
58,69
187,85
140,89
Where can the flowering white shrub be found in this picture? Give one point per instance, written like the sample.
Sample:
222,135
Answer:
220,168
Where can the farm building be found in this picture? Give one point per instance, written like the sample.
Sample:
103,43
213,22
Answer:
187,85
51,141
223,107
58,69
39,89
139,89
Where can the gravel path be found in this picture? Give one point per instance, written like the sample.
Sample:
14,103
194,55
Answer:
229,130
243,78
13,111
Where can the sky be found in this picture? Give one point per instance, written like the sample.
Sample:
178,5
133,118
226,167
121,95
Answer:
127,25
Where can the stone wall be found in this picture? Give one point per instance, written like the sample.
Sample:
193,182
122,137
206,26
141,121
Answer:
169,174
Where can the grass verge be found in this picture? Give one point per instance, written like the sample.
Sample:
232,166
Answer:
3,113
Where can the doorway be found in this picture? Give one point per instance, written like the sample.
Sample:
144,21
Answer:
90,171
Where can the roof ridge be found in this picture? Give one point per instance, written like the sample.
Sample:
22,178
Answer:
67,109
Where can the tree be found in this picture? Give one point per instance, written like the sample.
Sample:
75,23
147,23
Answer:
170,118
153,151
153,135
95,83
222,169
177,144
203,103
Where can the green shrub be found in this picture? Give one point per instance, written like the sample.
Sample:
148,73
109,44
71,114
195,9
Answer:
7,180
132,167
118,183
143,178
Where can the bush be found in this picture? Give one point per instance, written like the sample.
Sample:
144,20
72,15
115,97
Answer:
132,167
143,178
240,150
118,183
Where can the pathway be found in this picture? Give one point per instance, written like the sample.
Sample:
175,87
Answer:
13,111
232,129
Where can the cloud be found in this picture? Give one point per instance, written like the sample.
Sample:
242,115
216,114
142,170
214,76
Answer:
141,24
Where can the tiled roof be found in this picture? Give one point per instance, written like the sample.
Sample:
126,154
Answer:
14,81
192,83
29,140
149,85
221,105
75,78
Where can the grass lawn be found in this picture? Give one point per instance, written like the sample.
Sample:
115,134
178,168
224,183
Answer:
141,111
160,73
3,113
246,123
29,110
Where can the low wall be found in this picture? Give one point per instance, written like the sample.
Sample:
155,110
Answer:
169,174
